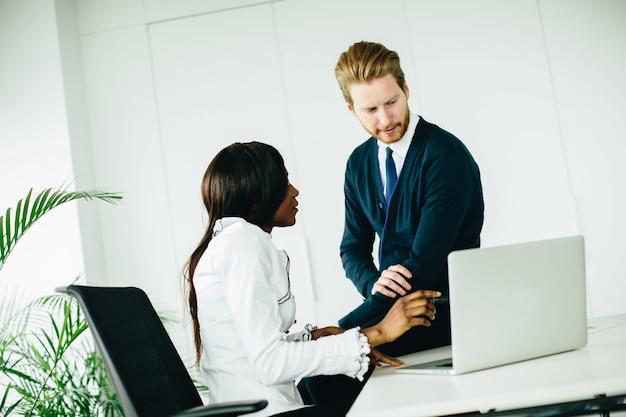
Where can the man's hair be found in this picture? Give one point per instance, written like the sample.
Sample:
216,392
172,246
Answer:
364,62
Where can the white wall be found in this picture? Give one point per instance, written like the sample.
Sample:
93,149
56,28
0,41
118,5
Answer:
35,150
534,88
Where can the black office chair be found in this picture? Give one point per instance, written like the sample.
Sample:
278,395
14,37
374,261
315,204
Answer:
142,362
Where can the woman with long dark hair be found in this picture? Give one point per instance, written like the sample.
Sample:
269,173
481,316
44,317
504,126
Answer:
240,299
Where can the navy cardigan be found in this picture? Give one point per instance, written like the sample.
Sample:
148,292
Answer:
437,207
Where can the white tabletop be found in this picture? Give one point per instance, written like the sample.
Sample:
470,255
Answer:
598,368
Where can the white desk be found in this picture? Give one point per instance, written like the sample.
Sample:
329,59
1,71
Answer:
598,368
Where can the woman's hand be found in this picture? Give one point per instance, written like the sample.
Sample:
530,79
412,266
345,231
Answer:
409,311
326,331
378,358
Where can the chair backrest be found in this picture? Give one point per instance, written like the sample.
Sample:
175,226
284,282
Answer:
144,366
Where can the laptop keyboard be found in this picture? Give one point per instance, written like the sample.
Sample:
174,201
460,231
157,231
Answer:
445,365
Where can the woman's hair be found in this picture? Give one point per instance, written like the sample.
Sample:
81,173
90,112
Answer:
246,180
364,62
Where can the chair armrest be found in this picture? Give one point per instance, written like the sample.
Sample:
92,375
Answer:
226,409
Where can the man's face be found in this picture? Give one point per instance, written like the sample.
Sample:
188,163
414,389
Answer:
382,108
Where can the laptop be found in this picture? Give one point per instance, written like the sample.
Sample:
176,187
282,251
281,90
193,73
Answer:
513,303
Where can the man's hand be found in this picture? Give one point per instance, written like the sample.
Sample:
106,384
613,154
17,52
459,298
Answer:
393,281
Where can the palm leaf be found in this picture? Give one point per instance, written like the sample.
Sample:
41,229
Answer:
12,228
5,408
44,371
55,369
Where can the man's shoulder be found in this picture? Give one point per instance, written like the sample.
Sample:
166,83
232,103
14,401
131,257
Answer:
431,130
359,153
438,139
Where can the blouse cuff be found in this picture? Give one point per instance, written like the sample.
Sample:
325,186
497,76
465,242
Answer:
308,332
304,335
363,359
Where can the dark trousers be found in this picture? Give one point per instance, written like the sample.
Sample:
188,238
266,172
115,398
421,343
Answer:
330,395
333,395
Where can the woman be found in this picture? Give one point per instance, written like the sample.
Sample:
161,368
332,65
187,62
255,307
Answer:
240,299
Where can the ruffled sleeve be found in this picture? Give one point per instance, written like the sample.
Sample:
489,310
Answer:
352,344
364,350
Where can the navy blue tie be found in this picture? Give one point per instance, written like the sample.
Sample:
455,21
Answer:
392,176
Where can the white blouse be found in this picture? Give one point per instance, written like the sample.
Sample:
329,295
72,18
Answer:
245,310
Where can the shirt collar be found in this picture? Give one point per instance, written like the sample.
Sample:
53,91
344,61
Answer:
402,146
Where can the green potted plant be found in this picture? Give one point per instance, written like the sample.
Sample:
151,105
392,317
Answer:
49,365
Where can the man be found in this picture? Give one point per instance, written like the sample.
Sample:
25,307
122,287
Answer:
427,205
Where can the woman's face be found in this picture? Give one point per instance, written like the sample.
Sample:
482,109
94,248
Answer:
285,215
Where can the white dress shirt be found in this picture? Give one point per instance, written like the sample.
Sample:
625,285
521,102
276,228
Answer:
399,148
245,309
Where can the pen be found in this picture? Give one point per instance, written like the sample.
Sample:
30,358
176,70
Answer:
438,300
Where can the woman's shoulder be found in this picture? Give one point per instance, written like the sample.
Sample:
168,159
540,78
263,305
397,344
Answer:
235,240
235,232
237,227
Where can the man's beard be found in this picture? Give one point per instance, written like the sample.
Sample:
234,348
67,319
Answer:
398,135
